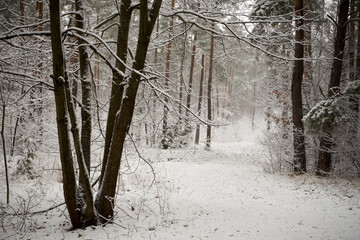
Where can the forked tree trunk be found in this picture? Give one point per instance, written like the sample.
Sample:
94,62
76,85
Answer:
68,174
324,165
197,132
296,95
117,88
209,109
85,86
106,195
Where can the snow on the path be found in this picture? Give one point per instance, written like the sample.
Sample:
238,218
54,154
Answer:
232,199
218,194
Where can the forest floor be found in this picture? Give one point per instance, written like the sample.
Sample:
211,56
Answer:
220,194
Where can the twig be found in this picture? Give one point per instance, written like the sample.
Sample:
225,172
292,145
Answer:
49,209
152,168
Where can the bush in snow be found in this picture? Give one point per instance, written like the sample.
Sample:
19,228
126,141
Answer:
176,136
342,114
25,164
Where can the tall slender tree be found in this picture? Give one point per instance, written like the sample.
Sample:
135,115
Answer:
197,132
324,165
209,107
296,95
117,86
85,85
167,69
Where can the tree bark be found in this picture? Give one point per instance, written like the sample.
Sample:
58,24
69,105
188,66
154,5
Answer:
167,69
85,86
351,55
88,216
191,73
4,152
209,115
117,87
105,197
197,132
296,95
69,180
324,165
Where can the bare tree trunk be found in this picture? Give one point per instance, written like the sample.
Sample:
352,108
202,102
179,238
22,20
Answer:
308,68
105,197
88,217
324,165
191,73
253,106
117,87
355,105
85,86
69,180
4,152
22,12
167,69
181,90
296,95
197,132
351,56
154,126
217,92
211,61
357,68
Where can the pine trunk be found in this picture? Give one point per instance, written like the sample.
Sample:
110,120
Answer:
325,156
209,108
296,95
167,70
197,132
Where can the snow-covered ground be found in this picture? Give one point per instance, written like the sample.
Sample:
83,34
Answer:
198,194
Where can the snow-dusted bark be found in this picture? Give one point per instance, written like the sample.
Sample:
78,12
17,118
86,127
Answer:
324,165
117,87
69,180
296,95
85,86
209,107
106,194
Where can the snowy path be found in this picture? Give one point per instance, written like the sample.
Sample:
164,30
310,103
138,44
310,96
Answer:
218,194
227,196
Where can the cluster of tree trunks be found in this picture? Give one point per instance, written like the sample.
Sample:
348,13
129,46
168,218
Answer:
83,211
324,163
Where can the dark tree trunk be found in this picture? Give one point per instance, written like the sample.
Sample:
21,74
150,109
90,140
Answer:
192,63
357,68
296,95
106,194
4,154
351,55
197,132
88,216
117,88
356,65
69,180
324,165
209,115
85,86
167,69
